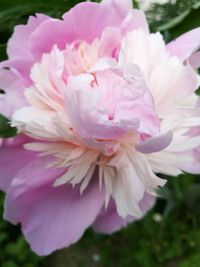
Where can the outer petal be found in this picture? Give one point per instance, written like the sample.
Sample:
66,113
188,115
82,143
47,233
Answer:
21,36
109,221
86,21
13,98
20,56
184,46
51,218
13,157
21,67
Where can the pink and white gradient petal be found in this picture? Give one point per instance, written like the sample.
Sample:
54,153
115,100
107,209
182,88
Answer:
51,218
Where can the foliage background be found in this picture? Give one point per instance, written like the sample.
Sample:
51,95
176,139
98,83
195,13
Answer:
169,235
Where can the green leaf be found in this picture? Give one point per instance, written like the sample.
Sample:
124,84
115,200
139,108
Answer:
5,129
9,263
3,52
190,22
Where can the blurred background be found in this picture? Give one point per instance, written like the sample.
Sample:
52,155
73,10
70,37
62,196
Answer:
169,235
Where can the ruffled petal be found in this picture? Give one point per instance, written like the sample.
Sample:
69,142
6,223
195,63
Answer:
21,36
51,218
111,107
37,123
109,221
83,22
84,115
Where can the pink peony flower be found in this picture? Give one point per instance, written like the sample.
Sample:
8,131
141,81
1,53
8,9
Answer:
101,106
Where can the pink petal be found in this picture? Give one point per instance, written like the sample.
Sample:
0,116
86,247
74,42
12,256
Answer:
20,57
195,60
155,144
18,45
135,20
51,218
22,67
110,42
13,157
86,21
193,166
185,45
14,98
106,111
109,221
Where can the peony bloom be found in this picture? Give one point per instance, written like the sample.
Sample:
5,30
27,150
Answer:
101,106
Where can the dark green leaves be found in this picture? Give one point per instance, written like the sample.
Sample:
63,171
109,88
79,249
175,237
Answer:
5,129
192,198
175,19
